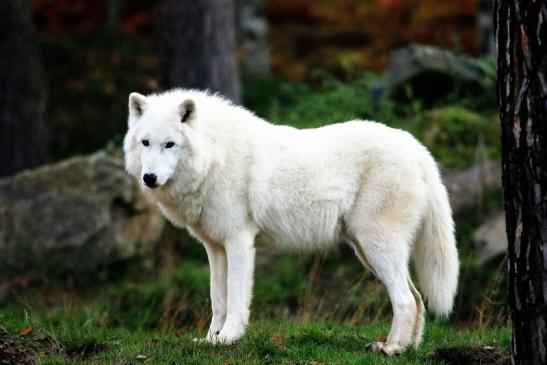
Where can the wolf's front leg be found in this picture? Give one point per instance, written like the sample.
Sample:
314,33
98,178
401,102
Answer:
240,253
219,269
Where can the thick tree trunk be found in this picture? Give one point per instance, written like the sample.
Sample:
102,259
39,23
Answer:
197,46
521,36
23,135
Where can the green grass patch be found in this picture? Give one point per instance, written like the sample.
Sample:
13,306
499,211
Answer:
281,341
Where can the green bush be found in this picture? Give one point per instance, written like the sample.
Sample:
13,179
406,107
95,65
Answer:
453,132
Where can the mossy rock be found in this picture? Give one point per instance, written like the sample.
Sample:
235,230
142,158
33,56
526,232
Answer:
75,215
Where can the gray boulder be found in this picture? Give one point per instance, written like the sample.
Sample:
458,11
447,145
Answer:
468,188
430,73
74,215
490,239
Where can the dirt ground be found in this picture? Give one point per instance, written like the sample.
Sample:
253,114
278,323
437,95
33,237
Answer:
469,356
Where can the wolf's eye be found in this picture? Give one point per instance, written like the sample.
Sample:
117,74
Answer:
169,144
145,142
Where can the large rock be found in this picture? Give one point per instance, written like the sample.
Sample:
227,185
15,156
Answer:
490,239
469,188
430,73
74,215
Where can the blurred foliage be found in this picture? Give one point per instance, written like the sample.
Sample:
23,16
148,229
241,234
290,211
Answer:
303,34
92,66
451,127
88,90
308,106
90,73
64,18
332,34
88,98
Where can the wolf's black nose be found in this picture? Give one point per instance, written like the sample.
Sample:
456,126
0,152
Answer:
150,180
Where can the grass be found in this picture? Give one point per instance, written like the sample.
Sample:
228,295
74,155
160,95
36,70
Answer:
281,341
309,309
158,314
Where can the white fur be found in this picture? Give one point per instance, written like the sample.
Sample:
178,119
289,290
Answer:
237,182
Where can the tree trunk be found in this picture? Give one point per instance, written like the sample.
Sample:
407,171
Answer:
197,47
521,36
23,135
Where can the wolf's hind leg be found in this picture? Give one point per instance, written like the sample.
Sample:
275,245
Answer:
388,260
418,331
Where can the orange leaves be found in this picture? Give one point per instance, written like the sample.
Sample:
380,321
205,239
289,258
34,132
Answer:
381,338
26,331
277,340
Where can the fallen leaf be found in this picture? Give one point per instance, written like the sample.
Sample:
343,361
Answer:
26,331
277,340
381,338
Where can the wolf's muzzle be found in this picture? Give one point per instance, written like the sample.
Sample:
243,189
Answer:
150,180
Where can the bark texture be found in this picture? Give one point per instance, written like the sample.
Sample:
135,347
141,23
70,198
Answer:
197,47
23,135
521,36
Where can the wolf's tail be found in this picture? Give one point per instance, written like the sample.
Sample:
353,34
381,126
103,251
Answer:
435,253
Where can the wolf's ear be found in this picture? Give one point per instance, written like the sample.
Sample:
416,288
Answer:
137,104
187,111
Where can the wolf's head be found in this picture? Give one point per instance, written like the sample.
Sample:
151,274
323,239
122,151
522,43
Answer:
159,143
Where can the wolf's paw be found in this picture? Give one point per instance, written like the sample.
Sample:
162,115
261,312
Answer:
227,339
375,347
230,334
211,338
220,339
212,335
387,349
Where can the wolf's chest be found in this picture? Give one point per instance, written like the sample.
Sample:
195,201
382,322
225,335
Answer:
181,212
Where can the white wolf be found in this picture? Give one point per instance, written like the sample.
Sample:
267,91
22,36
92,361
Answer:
237,182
